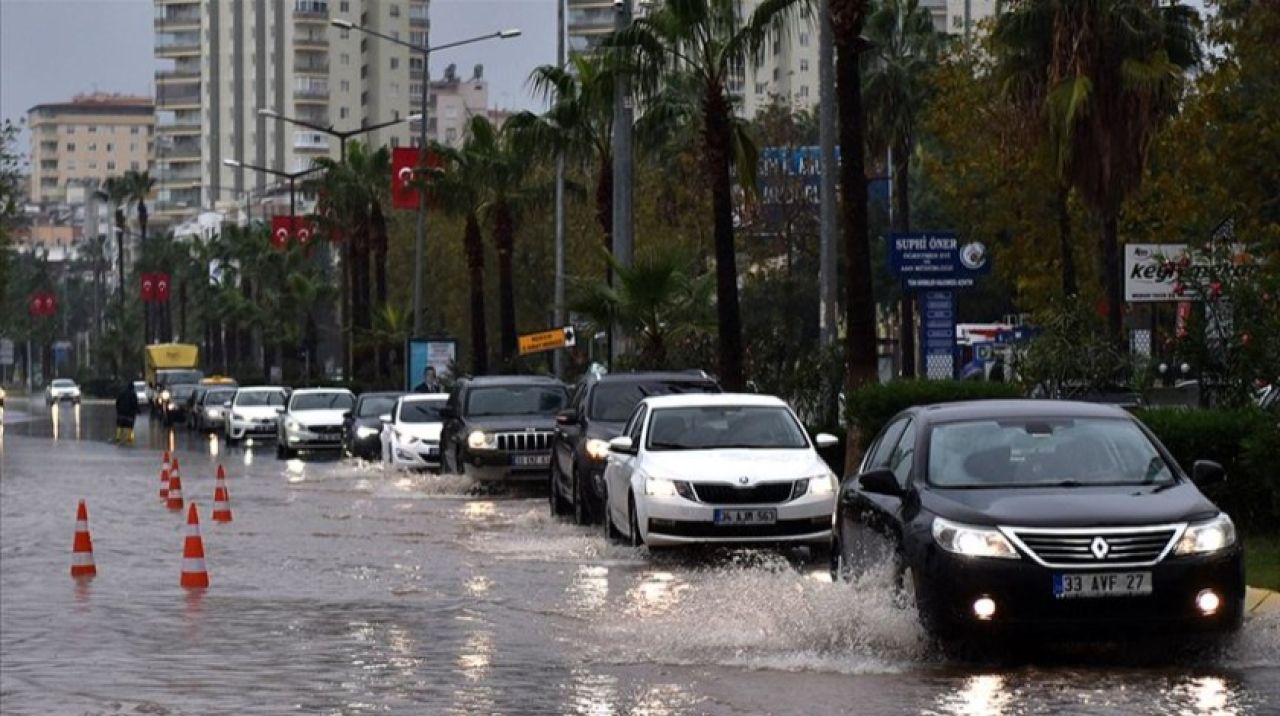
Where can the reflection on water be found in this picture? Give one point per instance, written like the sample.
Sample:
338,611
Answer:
1209,696
480,511
980,695
75,411
214,445
656,593
54,410
589,589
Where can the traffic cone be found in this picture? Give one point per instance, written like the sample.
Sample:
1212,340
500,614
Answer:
164,482
174,501
82,548
221,499
194,575
165,459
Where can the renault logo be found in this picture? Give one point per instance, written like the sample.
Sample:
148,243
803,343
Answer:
743,480
1099,547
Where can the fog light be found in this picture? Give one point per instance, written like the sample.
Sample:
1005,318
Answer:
1208,601
984,608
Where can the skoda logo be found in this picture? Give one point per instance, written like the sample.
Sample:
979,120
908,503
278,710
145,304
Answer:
743,480
1099,547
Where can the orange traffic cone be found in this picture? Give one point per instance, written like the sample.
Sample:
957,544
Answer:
194,575
174,500
164,483
165,460
221,500
82,549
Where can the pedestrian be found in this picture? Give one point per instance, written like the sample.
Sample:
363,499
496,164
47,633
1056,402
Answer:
430,383
126,413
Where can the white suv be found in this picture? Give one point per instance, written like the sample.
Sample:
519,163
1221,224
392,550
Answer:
254,412
724,468
313,419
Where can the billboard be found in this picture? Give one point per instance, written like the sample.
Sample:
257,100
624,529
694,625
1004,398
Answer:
429,353
1149,278
934,260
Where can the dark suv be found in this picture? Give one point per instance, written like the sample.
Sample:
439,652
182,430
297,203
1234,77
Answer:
499,427
599,407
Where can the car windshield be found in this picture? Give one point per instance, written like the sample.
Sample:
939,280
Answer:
515,400
1042,452
615,401
173,377
64,383
376,405
725,426
323,401
421,411
181,391
218,397
259,398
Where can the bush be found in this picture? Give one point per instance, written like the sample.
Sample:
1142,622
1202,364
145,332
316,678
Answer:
870,407
1247,444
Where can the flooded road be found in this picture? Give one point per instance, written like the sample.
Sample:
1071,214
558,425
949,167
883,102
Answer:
339,589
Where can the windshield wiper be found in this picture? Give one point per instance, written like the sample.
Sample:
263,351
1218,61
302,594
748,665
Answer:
1065,483
672,446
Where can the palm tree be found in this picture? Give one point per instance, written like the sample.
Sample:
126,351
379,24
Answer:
456,188
118,194
897,87
1111,73
139,185
711,41
578,123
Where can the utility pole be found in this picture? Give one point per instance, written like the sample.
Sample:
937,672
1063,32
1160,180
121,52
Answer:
827,191
558,356
623,112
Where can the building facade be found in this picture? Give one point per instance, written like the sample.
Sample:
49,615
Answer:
81,143
230,59
454,101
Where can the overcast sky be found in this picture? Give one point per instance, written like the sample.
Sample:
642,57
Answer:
51,50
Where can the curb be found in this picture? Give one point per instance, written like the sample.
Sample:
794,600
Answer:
1261,601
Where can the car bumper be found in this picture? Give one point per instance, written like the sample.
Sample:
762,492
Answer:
61,397
948,586
676,520
369,448
308,440
420,455
494,466
243,429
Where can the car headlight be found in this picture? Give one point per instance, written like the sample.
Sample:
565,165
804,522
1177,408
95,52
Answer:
822,484
211,412
971,541
1205,537
173,405
164,396
480,440
597,449
364,431
660,487
292,425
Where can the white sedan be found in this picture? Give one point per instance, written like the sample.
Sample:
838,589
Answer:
411,432
62,389
717,469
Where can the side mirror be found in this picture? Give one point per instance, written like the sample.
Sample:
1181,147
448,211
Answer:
1207,472
346,415
448,412
227,404
385,417
280,409
880,482
622,444
825,440
567,417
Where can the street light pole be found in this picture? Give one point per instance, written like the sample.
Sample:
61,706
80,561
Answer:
292,177
421,237
622,171
558,356
827,190
342,135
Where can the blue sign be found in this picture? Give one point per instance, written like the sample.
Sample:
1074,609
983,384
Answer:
429,361
935,260
1017,335
938,334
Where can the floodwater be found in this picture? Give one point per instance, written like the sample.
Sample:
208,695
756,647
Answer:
339,589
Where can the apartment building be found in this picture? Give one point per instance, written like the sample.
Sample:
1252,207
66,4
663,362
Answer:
230,59
454,101
86,140
588,22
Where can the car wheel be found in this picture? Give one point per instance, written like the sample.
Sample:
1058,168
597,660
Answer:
636,539
581,515
611,534
559,508
836,558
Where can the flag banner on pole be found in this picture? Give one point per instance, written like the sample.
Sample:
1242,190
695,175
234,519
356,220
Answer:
281,227
403,193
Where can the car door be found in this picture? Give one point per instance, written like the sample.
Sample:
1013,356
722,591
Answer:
870,524
621,466
568,436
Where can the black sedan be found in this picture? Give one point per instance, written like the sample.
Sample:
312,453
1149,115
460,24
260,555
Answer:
1010,517
362,426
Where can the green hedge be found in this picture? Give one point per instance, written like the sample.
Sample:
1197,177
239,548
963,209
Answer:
870,407
1246,442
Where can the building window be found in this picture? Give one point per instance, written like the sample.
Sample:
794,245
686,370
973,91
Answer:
71,146
71,165
93,129
133,146
450,134
133,130
344,85
364,71
395,141
804,65
760,87
804,90
342,113
344,33
395,10
134,166
804,39
395,63
344,6
111,166
71,129
395,89
111,147
775,74
777,46
93,147
93,166
345,58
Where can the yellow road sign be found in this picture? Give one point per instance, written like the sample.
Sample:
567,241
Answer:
546,340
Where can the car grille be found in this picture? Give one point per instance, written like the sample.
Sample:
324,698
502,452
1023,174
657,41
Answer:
726,494
1114,547
326,429
529,441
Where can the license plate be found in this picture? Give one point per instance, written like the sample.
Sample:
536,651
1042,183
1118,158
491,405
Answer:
746,517
530,460
1101,584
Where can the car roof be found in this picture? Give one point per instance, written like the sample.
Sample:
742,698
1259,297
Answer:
420,397
693,376
483,380
312,391
987,409
260,388
713,399
382,394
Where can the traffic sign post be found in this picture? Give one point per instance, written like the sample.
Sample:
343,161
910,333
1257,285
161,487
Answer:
939,329
548,340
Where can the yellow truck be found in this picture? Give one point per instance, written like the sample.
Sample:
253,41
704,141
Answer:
171,364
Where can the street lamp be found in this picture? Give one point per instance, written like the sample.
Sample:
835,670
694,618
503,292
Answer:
293,177
342,134
425,52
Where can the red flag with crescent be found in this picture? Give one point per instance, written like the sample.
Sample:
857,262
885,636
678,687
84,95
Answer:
281,227
162,287
403,194
303,230
147,291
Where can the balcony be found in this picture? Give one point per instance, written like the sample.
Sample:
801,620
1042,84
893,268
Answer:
170,96
174,17
177,44
312,67
182,151
316,39
418,16
178,75
310,141
311,9
179,125
187,174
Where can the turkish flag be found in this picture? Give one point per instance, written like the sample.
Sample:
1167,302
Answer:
148,288
50,304
281,227
403,194
303,230
162,287
37,305
43,304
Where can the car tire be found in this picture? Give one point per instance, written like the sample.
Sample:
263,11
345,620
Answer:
611,534
559,508
581,515
636,539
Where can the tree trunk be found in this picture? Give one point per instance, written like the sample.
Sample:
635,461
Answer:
604,208
1111,281
378,222
504,238
474,245
1063,210
361,317
902,222
718,142
344,298
860,309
